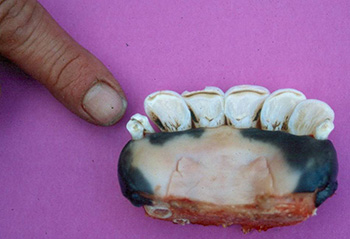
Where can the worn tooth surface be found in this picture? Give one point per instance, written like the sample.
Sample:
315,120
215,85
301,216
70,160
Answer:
206,106
243,104
312,117
168,110
278,107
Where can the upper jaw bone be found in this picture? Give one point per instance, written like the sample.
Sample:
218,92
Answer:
206,106
168,110
312,117
278,107
243,103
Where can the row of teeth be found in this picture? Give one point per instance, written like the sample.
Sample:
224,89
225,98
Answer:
243,106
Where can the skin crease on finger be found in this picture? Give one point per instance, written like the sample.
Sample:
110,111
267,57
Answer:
37,44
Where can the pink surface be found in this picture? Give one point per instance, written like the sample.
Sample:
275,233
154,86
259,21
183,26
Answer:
58,173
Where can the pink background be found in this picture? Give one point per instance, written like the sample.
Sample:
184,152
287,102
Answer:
58,173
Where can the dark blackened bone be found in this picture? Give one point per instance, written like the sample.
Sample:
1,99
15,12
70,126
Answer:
316,159
132,182
162,138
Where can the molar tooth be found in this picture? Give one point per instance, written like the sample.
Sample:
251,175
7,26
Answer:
243,103
312,117
207,106
168,110
278,107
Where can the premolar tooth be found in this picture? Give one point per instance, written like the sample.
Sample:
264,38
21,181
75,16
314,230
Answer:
143,120
207,106
243,103
138,126
135,129
168,110
278,107
312,117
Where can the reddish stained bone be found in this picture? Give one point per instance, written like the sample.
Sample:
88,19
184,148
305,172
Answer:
269,211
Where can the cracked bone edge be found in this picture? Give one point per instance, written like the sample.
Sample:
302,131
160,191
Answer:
206,106
278,108
243,104
168,110
312,117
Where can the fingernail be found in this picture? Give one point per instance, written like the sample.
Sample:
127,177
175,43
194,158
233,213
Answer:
104,104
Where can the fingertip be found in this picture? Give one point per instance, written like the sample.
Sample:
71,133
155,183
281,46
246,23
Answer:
104,104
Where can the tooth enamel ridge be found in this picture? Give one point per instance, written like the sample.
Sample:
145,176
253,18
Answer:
168,110
206,106
312,117
278,108
243,106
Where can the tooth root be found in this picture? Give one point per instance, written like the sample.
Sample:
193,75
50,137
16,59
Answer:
206,106
242,105
135,129
312,117
168,110
143,120
278,107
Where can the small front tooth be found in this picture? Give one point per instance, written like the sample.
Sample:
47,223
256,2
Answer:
135,129
278,107
312,117
206,106
243,103
168,110
143,120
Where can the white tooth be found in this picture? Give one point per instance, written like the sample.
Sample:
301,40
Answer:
312,117
168,110
216,89
324,129
135,129
143,120
278,107
207,106
243,103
